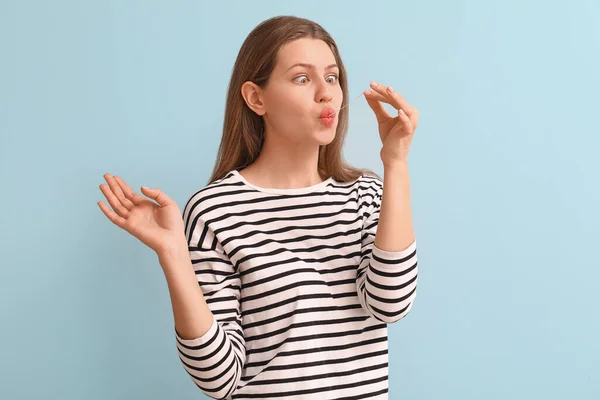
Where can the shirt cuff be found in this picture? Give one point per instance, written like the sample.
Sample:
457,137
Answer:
393,258
212,331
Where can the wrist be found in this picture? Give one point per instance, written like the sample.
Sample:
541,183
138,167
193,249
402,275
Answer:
394,166
173,253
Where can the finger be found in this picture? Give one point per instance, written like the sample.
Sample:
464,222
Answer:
113,201
117,220
394,98
370,94
406,122
132,196
157,195
377,106
399,102
118,192
409,110
387,94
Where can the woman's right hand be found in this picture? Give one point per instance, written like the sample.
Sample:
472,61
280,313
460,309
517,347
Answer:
158,224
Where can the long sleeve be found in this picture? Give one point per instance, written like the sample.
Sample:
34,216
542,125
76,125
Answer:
386,282
215,360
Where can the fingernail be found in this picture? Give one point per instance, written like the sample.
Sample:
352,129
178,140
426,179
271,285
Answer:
374,84
390,89
368,93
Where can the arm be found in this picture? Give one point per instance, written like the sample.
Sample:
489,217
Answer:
192,316
395,232
203,285
205,291
387,274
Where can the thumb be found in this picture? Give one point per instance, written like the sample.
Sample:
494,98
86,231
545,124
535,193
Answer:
380,112
157,195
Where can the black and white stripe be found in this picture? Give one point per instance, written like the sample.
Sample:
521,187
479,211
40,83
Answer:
300,294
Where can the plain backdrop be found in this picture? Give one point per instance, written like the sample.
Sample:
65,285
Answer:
504,176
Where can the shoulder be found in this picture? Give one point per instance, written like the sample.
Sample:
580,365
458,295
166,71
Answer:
371,180
369,185
369,189
211,194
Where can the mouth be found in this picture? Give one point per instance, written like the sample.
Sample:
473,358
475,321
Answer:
327,116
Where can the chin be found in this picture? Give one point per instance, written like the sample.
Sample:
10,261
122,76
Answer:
325,137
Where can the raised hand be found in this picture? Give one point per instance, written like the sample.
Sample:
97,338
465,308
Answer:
396,132
157,222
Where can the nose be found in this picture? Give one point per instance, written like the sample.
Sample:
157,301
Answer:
323,94
326,98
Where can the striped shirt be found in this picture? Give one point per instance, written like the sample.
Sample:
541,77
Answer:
300,294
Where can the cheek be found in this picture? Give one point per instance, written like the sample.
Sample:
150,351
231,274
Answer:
291,105
339,97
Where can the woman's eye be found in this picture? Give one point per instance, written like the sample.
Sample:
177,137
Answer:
303,79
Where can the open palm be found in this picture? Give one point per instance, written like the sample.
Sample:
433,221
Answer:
157,224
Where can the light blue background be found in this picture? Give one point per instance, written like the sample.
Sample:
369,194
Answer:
504,174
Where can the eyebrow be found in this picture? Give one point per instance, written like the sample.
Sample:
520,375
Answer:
312,66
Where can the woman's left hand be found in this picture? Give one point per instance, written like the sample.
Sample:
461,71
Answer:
396,133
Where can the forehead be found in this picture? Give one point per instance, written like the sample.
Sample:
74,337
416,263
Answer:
309,51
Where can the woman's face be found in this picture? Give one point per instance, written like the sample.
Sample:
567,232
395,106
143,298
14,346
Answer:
303,95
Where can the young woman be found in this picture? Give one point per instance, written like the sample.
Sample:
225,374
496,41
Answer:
288,265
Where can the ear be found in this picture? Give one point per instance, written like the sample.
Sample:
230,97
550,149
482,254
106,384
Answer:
252,95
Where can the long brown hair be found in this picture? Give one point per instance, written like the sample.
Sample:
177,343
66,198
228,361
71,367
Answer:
243,129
